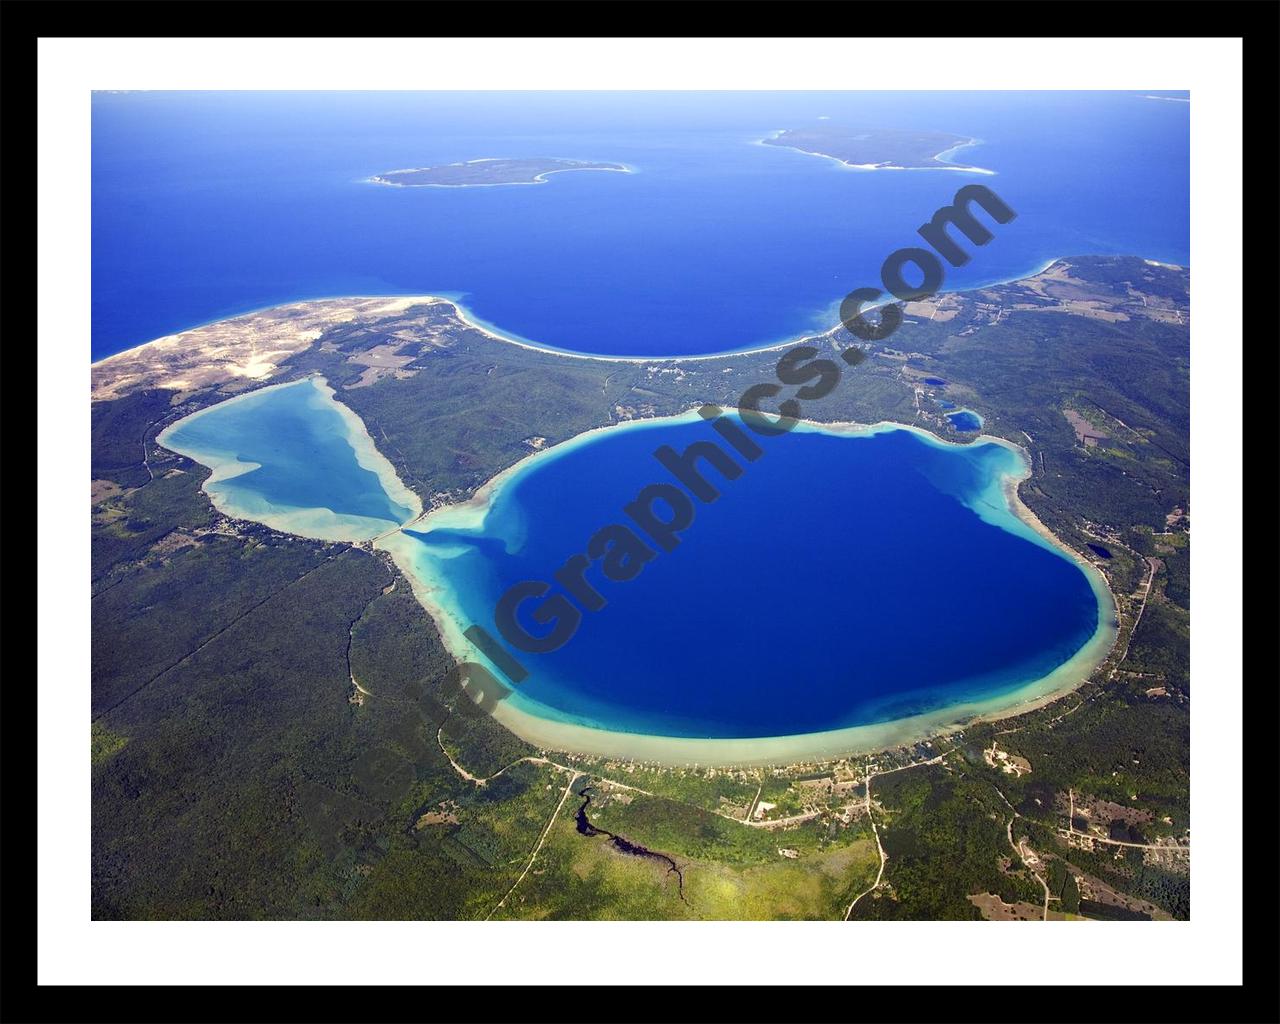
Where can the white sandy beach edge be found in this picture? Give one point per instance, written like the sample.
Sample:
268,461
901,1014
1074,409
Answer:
944,164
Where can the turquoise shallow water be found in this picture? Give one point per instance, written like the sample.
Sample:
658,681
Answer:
292,457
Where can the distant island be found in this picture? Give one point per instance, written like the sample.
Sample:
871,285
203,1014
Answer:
877,148
490,171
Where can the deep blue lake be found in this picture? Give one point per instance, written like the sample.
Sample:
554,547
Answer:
210,204
965,420
839,581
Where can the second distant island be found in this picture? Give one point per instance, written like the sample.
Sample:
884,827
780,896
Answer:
490,171
877,148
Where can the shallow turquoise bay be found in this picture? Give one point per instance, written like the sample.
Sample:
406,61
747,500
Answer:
291,457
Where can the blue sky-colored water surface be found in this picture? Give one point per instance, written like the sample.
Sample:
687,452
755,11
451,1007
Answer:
839,581
965,419
210,204
299,441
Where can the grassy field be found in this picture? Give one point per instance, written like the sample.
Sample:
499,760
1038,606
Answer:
730,870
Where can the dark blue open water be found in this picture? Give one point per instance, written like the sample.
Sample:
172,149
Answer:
965,420
205,205
839,581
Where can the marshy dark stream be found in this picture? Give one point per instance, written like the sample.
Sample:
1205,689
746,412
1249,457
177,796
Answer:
623,844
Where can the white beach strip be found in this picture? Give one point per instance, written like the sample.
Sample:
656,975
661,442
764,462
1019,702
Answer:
944,164
367,454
